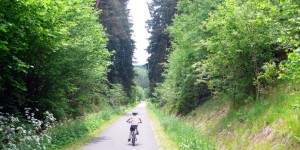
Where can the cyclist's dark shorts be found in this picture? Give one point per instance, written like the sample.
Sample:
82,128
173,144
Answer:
133,127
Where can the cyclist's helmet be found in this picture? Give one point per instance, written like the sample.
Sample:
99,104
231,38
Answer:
134,112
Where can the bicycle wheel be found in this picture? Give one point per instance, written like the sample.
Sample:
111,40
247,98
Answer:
133,138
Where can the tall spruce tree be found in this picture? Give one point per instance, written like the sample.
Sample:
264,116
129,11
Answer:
162,12
114,18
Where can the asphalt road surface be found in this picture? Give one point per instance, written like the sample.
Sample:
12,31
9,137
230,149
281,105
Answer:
115,137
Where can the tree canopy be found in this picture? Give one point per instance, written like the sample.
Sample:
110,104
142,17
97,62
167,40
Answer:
57,57
231,46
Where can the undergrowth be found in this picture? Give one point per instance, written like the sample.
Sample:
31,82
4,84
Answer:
29,133
25,132
186,137
269,123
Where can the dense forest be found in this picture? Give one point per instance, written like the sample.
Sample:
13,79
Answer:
230,69
56,57
241,48
64,59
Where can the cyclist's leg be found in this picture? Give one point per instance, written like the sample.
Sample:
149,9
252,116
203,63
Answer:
129,136
137,131
130,130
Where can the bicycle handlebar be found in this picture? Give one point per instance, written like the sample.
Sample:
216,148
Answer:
131,121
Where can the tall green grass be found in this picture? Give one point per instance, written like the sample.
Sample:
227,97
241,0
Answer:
186,137
72,130
272,122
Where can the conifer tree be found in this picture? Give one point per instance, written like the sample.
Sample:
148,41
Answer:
114,18
162,12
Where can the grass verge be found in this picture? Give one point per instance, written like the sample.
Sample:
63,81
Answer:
185,137
163,141
269,123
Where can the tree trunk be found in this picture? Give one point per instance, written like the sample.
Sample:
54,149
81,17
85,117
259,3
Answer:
256,70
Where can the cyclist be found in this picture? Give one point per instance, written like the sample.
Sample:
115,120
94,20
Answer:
134,120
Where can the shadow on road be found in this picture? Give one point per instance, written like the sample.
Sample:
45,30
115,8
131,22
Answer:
98,140
136,144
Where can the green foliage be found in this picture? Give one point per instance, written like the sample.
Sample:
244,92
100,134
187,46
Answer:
15,27
53,56
242,36
186,137
117,96
140,93
269,73
181,90
290,69
141,76
142,82
289,18
233,47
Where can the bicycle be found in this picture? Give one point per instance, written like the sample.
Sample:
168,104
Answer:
133,134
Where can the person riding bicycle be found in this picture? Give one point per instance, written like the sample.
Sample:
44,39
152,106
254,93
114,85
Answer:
134,120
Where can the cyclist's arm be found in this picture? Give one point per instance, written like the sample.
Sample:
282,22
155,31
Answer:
128,119
140,120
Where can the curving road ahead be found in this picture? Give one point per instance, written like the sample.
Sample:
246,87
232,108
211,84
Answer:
115,137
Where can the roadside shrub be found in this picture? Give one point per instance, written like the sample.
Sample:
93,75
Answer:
25,133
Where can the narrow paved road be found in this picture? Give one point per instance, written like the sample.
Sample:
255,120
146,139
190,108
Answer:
115,137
